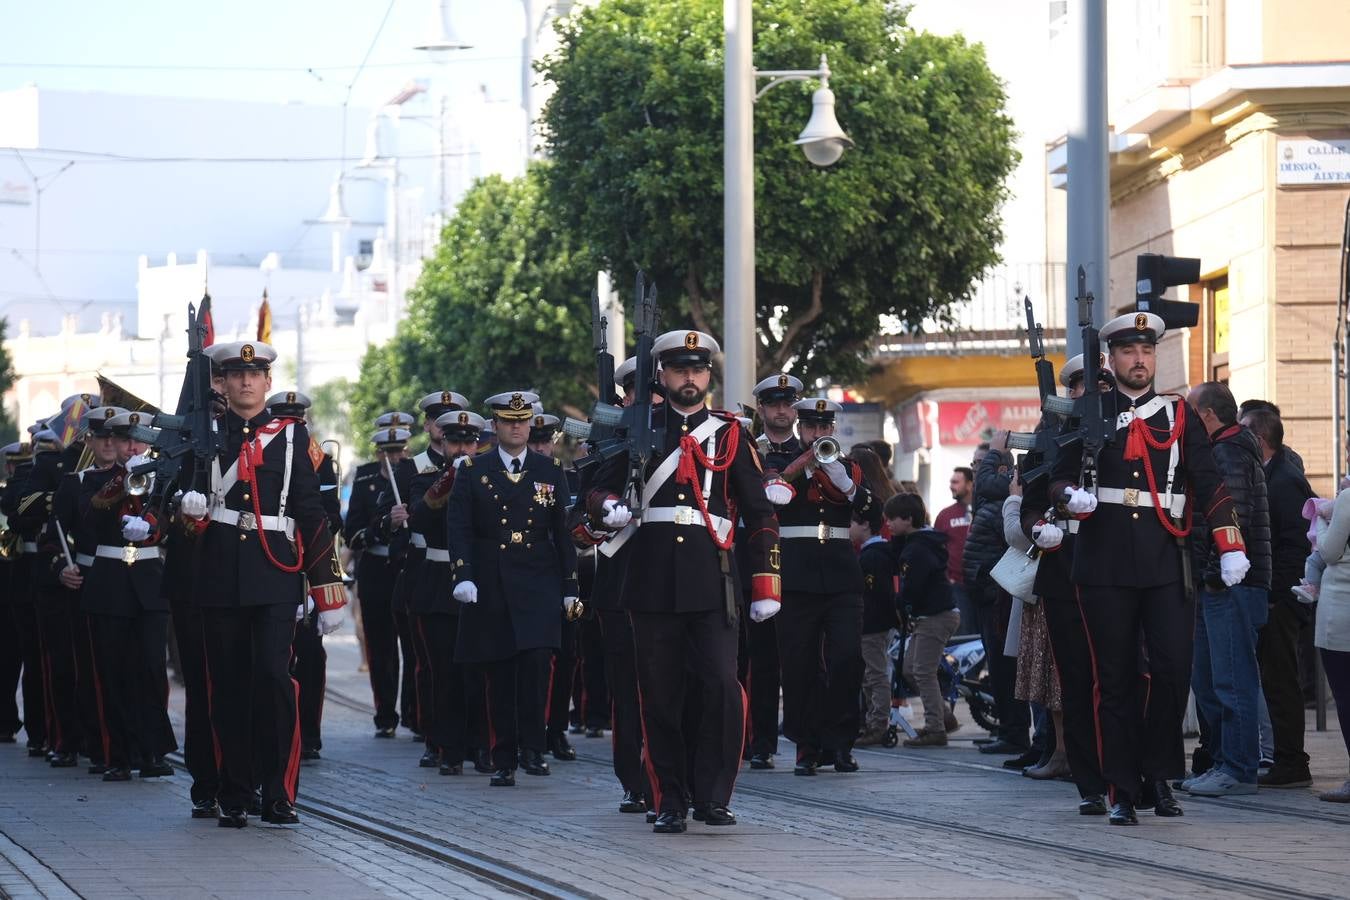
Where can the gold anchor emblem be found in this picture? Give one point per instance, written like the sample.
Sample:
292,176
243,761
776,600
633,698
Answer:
775,558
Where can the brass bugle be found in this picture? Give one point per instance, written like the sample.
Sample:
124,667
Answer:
576,611
138,485
825,450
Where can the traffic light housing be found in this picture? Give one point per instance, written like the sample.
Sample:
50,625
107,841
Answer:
1155,273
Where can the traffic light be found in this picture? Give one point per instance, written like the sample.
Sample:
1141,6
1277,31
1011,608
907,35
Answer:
1155,273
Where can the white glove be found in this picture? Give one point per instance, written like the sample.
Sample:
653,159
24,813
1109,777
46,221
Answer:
330,620
779,494
1047,535
299,611
139,459
837,472
568,603
134,528
764,609
1233,567
616,514
466,592
1079,502
459,461
193,505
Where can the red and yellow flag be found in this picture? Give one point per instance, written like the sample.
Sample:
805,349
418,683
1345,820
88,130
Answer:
265,320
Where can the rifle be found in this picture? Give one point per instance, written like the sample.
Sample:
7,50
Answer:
1041,442
185,442
1095,430
612,431
604,360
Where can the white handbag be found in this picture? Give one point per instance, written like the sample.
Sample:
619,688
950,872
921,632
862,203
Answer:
1016,574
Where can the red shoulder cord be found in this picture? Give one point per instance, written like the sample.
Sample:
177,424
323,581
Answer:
250,455
691,457
1141,434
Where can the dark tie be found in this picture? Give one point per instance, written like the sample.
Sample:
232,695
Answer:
515,467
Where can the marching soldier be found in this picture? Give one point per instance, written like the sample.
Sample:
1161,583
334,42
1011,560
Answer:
514,569
681,586
376,569
128,613
1128,564
1064,622
822,592
263,533
774,399
11,654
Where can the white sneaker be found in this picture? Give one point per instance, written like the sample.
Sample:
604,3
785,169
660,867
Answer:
1221,784
1191,782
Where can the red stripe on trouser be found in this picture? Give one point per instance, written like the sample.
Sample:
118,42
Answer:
646,753
424,713
548,695
210,694
1096,693
106,739
49,701
745,718
292,782
746,689
487,701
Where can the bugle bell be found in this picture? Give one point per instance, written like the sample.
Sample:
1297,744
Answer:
825,450
576,611
138,484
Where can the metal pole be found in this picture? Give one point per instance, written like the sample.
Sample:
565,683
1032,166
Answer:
1089,207
738,289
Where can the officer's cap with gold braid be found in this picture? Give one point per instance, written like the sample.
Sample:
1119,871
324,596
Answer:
87,399
778,387
96,420
288,403
46,440
685,348
390,438
1074,369
438,402
238,356
1133,328
543,428
513,405
460,425
17,452
123,422
396,419
817,410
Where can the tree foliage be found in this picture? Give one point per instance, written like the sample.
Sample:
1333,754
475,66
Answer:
503,304
902,225
9,429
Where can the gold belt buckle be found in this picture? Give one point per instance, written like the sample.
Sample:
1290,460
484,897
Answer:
129,555
1132,496
517,537
248,521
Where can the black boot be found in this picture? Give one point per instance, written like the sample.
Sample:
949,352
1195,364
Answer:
1164,803
560,747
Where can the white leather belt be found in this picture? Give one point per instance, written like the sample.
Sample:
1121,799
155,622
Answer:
1072,526
127,555
821,532
687,515
247,521
83,559
1133,497
418,540
28,546
378,550
436,554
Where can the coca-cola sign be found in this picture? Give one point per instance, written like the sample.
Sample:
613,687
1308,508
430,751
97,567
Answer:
967,424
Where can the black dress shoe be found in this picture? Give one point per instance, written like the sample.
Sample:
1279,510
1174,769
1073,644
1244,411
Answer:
255,807
533,762
118,774
385,732
232,818
713,814
670,823
37,750
1003,748
482,761
156,768
632,803
430,759
504,778
844,762
1122,813
1030,758
761,761
1092,806
651,816
280,812
309,755
1164,803
595,731
65,760
455,769
806,765
561,748
97,769
205,809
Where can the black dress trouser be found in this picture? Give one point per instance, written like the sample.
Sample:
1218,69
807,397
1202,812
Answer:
1073,663
759,673
57,611
562,676
375,586
517,689
1014,716
445,713
679,655
309,668
31,682
625,712
11,666
820,644
199,742
248,650
133,685
1114,618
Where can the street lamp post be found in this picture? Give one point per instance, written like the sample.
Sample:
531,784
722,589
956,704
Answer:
823,142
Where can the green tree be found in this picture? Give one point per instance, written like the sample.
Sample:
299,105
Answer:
504,303
901,226
9,431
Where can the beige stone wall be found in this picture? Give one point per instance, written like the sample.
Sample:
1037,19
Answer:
1305,31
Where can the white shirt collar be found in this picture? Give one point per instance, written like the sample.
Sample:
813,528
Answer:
506,457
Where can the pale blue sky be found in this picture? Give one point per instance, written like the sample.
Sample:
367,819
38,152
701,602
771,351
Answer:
95,45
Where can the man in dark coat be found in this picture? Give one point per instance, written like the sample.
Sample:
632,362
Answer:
514,567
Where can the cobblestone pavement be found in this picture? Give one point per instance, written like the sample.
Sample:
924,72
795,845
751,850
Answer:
911,824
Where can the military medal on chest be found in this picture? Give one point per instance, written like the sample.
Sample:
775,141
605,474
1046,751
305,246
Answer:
543,494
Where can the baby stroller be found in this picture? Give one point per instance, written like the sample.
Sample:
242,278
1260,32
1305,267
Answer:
961,673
